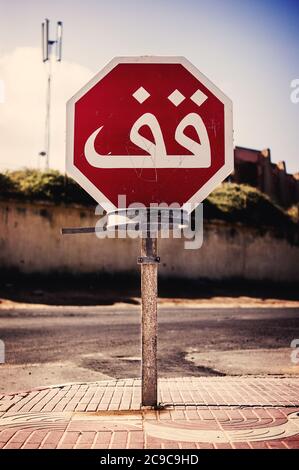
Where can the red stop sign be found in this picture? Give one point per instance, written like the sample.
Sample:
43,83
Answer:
153,129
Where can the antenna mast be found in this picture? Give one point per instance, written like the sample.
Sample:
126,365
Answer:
47,48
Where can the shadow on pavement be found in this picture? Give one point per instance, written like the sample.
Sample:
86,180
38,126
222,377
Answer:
109,289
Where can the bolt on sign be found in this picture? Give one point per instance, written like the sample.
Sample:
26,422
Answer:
154,129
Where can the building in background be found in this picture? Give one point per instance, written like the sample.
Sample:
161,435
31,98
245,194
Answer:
254,167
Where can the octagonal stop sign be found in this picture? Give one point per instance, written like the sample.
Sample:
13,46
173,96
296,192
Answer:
153,129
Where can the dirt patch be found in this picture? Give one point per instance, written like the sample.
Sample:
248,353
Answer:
14,378
247,361
172,364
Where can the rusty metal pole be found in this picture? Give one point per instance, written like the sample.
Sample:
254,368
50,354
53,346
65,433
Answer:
149,290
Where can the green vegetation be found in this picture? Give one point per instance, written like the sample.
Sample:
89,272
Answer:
243,203
35,185
229,202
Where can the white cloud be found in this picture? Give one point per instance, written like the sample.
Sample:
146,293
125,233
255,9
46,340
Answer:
23,111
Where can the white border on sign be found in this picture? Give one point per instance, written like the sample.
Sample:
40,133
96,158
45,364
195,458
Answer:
208,187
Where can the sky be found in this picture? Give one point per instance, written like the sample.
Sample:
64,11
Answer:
249,49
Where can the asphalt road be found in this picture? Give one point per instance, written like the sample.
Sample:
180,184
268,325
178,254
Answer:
60,344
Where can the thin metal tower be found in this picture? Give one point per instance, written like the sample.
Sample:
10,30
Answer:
47,49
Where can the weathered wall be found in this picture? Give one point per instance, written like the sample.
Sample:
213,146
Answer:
30,242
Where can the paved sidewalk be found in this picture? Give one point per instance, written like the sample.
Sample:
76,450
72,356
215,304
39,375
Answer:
195,413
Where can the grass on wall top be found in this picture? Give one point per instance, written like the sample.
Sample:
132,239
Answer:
229,202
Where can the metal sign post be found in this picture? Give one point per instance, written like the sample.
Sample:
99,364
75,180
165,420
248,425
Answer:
149,290
149,261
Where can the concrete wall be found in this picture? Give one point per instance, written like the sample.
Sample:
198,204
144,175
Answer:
30,242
